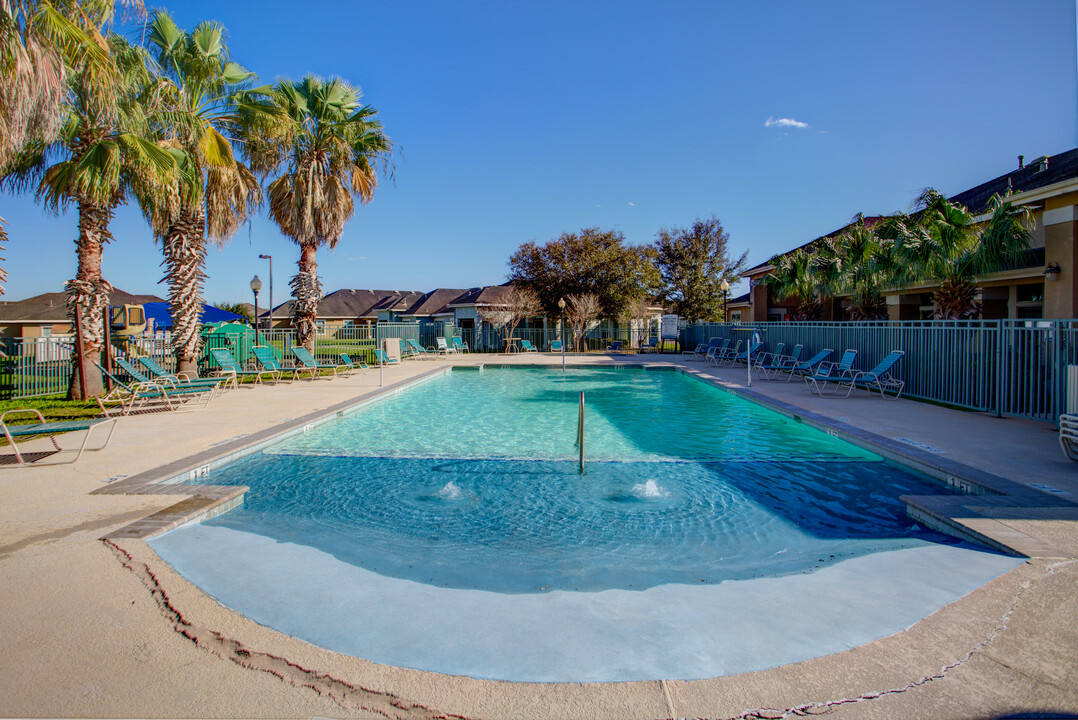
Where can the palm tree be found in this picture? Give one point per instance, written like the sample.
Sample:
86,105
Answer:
794,279
201,89
943,243
856,263
102,155
323,146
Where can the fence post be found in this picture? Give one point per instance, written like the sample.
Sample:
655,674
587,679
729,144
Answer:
1000,355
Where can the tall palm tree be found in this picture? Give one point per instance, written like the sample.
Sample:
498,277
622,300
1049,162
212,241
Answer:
103,154
793,279
943,243
323,146
857,263
201,90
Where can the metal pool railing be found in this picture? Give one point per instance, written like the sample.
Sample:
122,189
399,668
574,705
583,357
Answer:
1006,367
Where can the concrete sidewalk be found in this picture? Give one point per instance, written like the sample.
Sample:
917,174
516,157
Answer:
94,628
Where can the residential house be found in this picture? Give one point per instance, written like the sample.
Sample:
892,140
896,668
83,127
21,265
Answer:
45,315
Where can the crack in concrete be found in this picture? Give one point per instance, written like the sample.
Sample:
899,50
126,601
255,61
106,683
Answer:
348,696
820,708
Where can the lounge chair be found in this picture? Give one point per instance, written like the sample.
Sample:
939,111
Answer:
310,362
1068,436
347,362
52,429
555,346
267,360
808,367
391,348
771,364
746,355
614,346
763,357
831,373
652,345
717,353
418,350
384,359
443,347
526,346
232,369
181,380
124,399
878,378
168,385
701,350
459,345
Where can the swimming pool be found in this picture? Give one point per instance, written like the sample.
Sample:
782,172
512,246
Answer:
446,527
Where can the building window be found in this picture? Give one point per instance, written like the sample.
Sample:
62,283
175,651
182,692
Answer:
1030,301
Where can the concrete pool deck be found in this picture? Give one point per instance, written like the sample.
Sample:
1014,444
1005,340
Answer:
95,628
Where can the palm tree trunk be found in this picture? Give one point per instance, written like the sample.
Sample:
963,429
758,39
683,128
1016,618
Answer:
91,292
184,247
307,290
956,299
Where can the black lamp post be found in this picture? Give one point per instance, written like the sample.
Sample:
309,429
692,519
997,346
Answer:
269,321
561,306
256,285
725,289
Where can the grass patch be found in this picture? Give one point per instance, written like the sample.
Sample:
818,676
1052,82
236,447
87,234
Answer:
52,407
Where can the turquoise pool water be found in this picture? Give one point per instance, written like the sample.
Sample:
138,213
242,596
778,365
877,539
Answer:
469,480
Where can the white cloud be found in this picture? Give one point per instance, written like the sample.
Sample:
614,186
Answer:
632,204
785,123
354,259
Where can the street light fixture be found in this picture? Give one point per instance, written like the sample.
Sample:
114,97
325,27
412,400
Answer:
256,285
269,320
561,306
725,287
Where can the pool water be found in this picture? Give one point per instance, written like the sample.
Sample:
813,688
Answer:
469,480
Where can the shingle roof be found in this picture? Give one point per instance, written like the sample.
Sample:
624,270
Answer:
436,302
355,304
488,295
53,306
1038,173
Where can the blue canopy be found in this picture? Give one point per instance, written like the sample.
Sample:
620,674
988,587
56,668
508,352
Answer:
162,319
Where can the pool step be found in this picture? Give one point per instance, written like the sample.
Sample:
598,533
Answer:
970,518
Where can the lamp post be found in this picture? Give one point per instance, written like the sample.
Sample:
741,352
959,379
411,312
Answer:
269,321
256,285
725,287
561,306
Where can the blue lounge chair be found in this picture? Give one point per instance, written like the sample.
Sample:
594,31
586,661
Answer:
52,429
773,364
347,362
268,361
878,378
702,349
418,350
407,351
808,367
614,346
746,355
167,386
459,345
526,346
652,345
309,362
717,353
126,398
233,370
831,373
164,376
555,346
384,359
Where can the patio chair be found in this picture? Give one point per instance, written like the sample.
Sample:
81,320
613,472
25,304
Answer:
773,365
614,346
268,361
443,347
166,385
878,378
701,350
744,356
459,345
767,356
715,354
1068,436
808,367
233,370
347,362
828,372
177,380
526,346
384,358
309,361
555,346
124,399
52,429
418,350
652,345
721,358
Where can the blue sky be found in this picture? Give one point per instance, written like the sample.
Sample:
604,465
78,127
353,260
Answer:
519,121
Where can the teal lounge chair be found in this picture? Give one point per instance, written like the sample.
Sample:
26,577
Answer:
724,356
745,356
614,346
763,357
309,362
526,346
555,346
701,350
878,378
717,352
124,399
161,375
168,386
808,367
771,366
52,429
406,350
459,345
831,373
233,370
268,361
418,350
384,359
347,362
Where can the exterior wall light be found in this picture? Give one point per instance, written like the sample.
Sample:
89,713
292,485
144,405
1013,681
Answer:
1051,271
